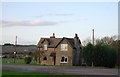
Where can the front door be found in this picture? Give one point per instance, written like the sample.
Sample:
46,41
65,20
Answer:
53,55
54,59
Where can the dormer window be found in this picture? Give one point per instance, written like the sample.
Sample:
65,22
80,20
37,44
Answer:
45,47
64,47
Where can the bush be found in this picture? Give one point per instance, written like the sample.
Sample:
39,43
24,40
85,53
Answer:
102,55
105,55
28,59
88,54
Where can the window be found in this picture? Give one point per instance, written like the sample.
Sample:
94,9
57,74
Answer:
64,47
45,58
45,47
64,59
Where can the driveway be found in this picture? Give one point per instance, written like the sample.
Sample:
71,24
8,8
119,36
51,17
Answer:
73,70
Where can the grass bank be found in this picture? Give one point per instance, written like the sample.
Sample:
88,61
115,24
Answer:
14,73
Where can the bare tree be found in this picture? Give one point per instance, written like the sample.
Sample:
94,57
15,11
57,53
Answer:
38,55
86,41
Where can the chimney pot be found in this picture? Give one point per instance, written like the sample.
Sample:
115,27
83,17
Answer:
76,35
53,36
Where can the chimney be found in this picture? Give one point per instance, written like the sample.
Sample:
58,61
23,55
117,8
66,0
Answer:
76,39
76,36
53,36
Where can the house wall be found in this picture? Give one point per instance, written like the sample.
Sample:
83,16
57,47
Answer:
47,53
49,60
74,55
77,54
59,53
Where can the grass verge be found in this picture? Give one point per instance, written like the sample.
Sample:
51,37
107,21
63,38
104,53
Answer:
14,73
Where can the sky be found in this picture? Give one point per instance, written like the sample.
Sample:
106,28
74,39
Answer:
30,21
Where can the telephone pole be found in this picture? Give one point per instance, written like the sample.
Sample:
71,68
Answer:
15,49
93,36
15,42
93,45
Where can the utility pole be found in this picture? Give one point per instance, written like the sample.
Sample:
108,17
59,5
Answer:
93,36
15,49
15,42
93,45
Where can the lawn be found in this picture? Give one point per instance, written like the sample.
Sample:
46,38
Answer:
14,73
17,61
11,61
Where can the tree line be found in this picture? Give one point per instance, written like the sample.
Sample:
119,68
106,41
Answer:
103,54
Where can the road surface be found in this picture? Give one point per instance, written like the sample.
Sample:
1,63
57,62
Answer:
72,70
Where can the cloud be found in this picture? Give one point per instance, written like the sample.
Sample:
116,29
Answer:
35,22
56,14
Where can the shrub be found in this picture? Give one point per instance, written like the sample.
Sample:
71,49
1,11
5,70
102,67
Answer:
28,59
105,55
88,54
102,55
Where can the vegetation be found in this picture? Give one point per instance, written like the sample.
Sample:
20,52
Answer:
28,59
13,73
11,61
104,53
118,58
38,54
17,61
88,54
101,54
9,44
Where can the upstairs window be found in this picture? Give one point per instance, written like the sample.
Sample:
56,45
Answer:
64,47
64,59
45,47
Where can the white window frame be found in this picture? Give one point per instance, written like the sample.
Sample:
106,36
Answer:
65,57
45,47
64,47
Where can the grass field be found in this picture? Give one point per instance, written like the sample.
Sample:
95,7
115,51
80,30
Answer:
17,61
13,73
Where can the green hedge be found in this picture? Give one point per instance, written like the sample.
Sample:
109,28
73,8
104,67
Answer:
28,59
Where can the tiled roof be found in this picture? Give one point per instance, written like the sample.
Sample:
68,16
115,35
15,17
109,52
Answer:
54,42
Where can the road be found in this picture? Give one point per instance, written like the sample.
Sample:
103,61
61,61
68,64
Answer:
73,70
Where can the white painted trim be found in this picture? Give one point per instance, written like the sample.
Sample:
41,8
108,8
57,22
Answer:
63,49
45,45
65,57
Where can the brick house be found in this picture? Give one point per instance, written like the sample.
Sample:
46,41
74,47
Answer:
60,51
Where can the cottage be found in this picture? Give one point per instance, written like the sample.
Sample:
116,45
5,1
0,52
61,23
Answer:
60,51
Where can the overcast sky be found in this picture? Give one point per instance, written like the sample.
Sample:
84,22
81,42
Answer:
32,20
